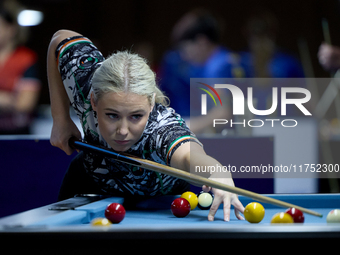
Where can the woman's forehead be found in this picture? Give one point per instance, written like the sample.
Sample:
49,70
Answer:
123,100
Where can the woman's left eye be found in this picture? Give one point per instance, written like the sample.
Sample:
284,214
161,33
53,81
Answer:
136,116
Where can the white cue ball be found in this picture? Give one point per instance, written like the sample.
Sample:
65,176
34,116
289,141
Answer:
205,199
333,216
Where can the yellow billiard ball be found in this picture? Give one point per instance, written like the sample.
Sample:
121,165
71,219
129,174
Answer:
101,222
254,212
192,198
282,217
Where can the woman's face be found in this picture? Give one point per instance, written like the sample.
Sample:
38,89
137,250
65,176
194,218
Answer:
122,118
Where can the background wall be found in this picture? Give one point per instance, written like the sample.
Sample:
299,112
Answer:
117,25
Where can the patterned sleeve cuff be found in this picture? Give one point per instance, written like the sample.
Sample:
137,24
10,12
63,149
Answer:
178,142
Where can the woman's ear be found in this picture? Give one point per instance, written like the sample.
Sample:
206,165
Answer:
93,102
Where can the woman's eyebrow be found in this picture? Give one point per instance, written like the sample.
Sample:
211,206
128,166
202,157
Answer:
111,109
132,112
138,111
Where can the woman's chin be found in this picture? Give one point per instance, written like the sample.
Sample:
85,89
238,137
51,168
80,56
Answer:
120,148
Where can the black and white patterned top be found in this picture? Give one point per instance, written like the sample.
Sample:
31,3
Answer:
165,130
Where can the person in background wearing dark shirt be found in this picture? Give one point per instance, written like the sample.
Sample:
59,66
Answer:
197,53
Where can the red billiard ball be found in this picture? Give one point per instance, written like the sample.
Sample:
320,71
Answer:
296,214
115,212
180,207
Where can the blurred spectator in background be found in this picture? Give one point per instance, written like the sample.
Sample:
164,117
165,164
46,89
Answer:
329,57
19,84
197,54
265,60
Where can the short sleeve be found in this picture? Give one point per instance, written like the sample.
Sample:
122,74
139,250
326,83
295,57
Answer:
77,59
175,143
169,134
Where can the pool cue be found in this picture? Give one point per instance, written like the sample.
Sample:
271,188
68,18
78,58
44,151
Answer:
325,31
150,165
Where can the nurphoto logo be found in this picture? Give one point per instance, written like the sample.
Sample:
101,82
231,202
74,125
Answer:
204,98
238,104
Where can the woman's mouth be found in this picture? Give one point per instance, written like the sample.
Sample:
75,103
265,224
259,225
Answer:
122,142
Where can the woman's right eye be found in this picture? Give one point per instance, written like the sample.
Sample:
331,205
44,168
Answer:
112,115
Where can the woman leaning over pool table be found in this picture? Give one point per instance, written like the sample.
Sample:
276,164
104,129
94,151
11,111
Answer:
120,106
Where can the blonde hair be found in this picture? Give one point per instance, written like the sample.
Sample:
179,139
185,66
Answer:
127,72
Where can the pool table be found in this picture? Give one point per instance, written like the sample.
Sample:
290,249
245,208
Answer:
150,221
